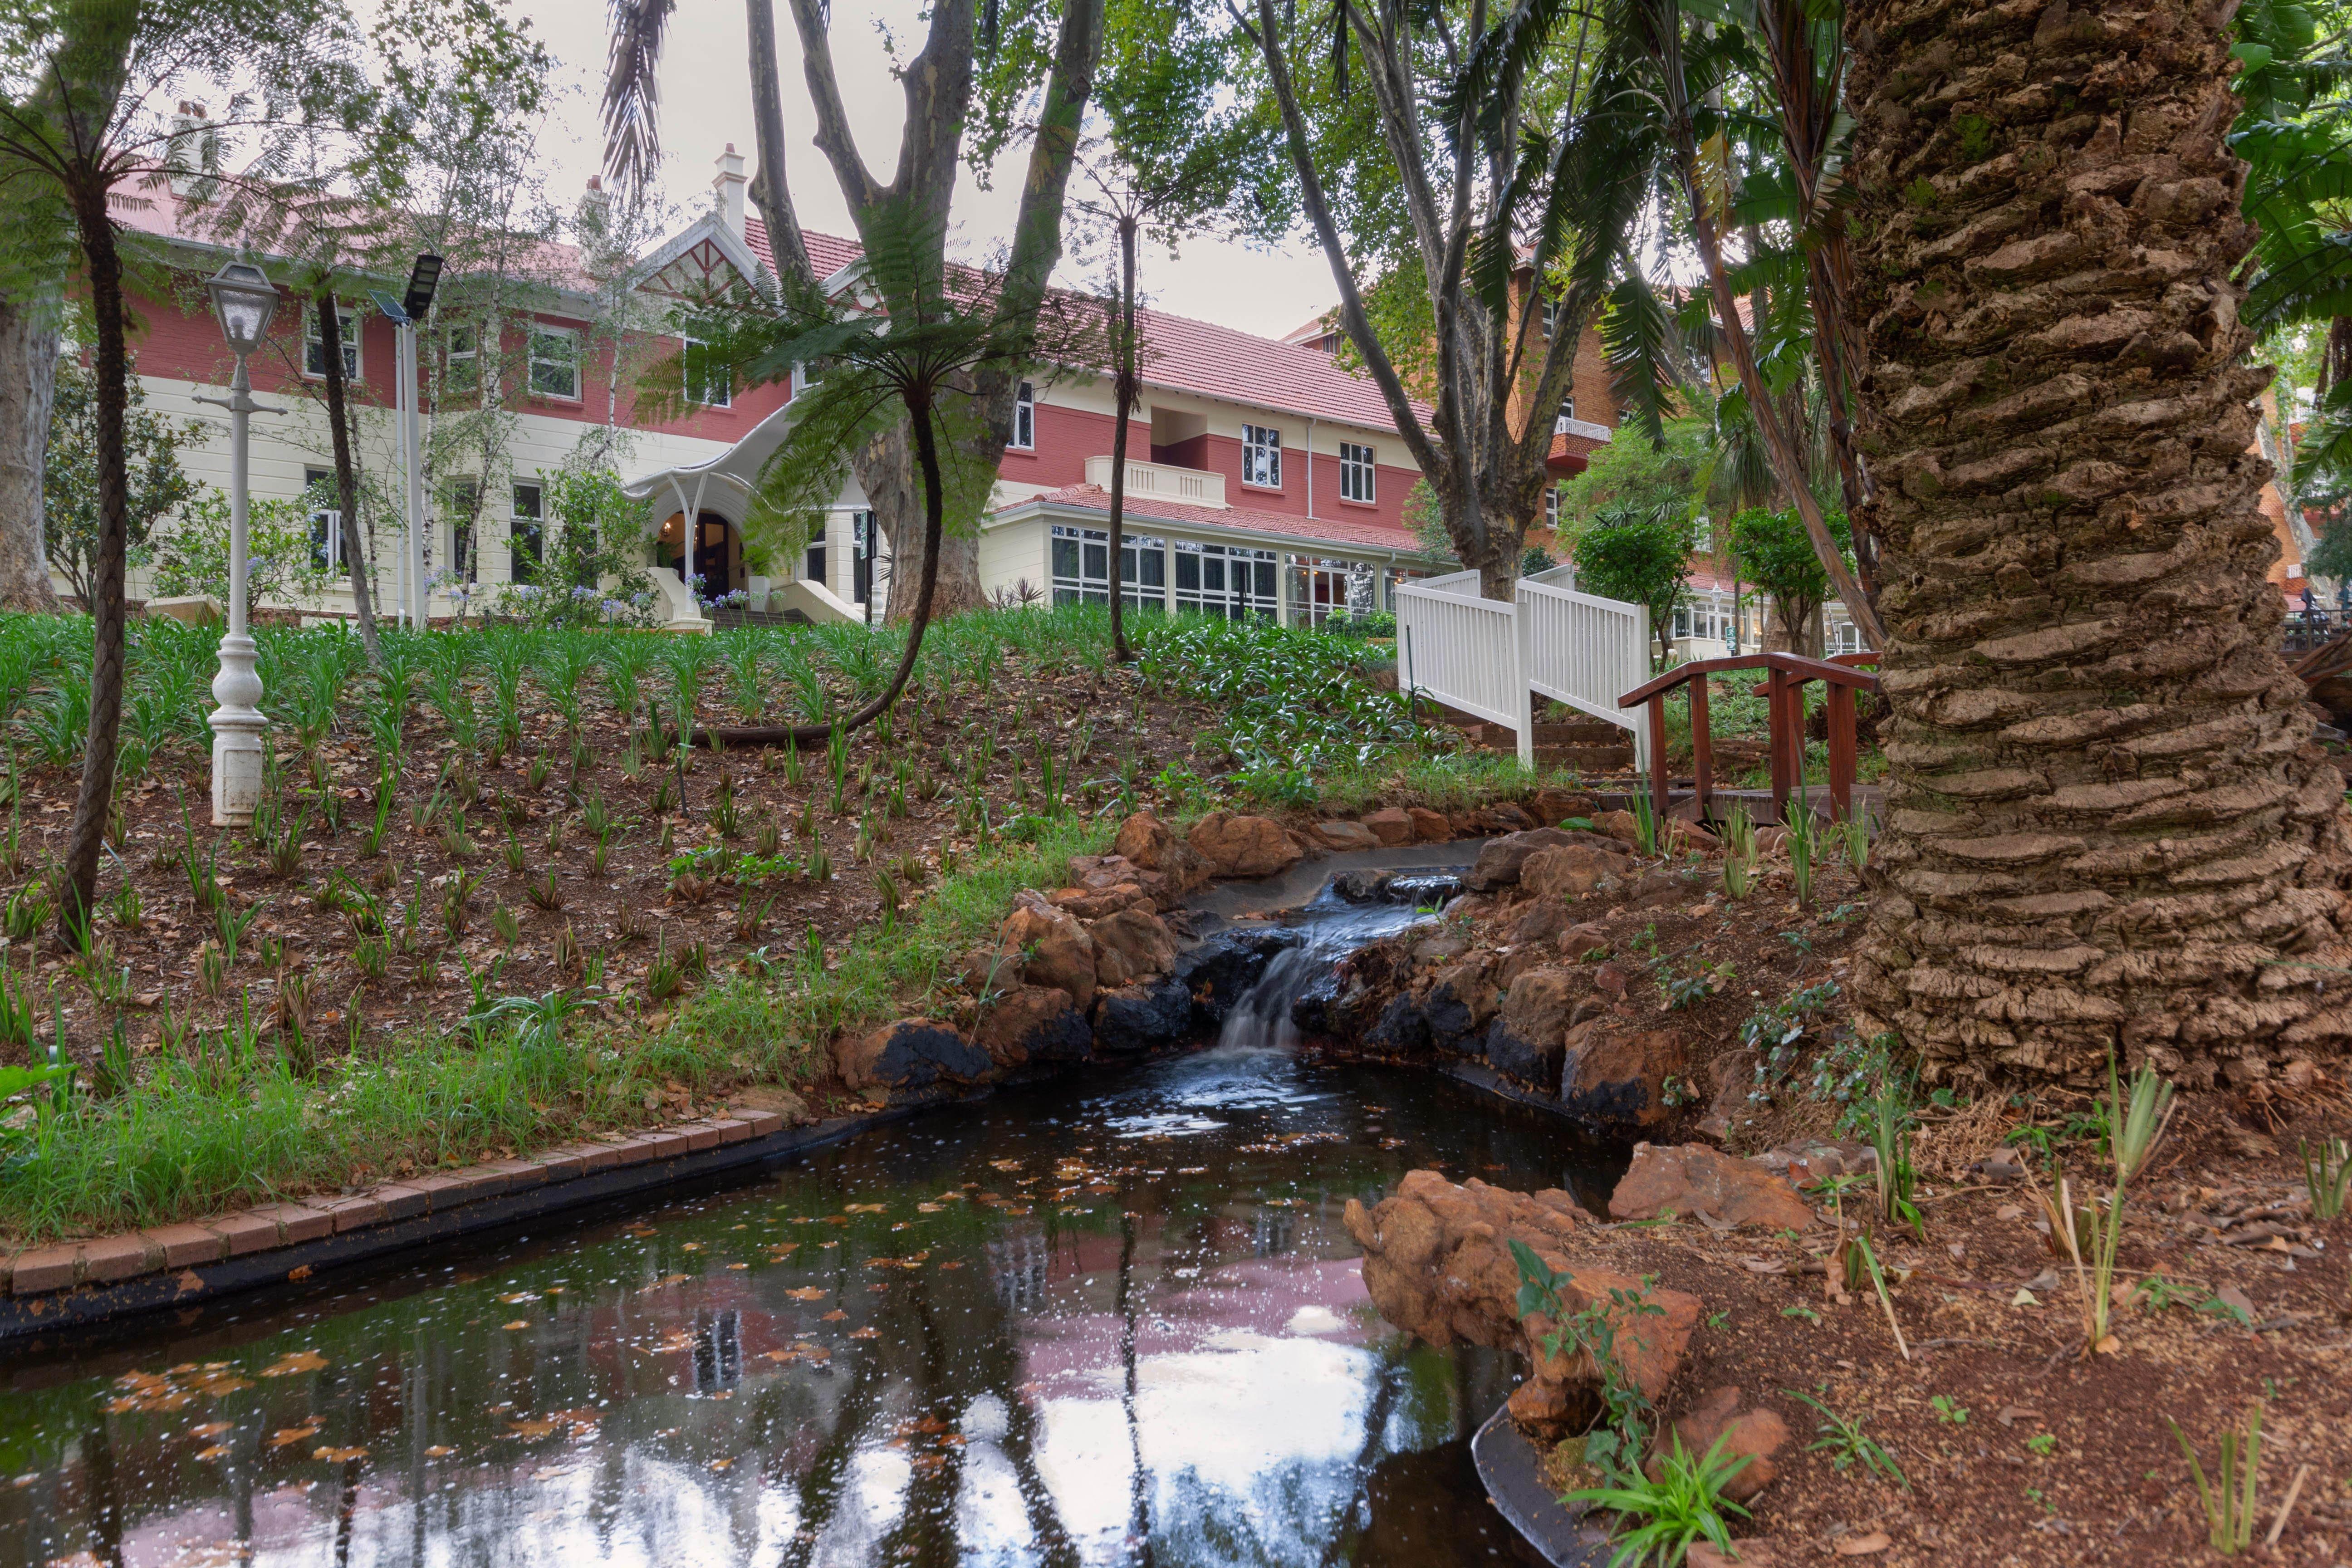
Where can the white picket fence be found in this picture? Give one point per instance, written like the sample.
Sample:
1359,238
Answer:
1490,658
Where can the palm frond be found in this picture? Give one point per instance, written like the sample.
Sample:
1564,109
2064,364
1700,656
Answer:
1637,335
633,91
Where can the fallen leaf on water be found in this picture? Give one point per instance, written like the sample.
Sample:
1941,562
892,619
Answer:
210,1429
952,1264
519,1297
530,1431
865,1208
339,1456
865,1333
834,1317
738,1266
285,1436
807,1293
300,1361
691,1246
218,1451
518,1323
439,1451
928,1208
1863,1545
1005,1164
722,1464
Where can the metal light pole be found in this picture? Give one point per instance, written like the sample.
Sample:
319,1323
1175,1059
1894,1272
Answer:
404,314
244,300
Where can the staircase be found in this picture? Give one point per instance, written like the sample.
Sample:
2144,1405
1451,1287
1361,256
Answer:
1586,745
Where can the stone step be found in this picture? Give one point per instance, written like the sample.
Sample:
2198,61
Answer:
1599,759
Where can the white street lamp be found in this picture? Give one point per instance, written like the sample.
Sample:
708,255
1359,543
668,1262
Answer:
244,300
404,314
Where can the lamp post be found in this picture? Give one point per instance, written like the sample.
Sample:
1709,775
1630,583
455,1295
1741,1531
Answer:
244,300
404,314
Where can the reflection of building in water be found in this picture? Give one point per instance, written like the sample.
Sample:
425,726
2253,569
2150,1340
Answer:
1273,1232
718,1351
1017,1262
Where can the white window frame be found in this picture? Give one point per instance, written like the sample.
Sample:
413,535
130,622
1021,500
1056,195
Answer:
1356,480
1262,457
1550,318
454,356
540,332
1089,549
1025,419
1551,505
314,348
1567,415
536,517
326,518
700,395
1327,588
1237,572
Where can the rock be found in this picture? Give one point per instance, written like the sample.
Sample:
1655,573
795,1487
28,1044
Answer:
1542,921
1613,1077
1659,888
1057,951
1143,1017
1458,1008
1756,1433
1392,825
1400,1031
1754,1551
1440,949
988,971
913,1053
771,1097
1572,870
1620,826
1429,826
1692,1180
1531,1033
1093,904
1500,863
1809,1160
1554,806
1345,836
1690,838
1580,941
1509,818
1518,960
1244,846
1220,971
1034,1024
1437,1263
1131,945
1611,978
1150,844
1335,1006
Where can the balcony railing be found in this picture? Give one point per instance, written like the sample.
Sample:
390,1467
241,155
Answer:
1194,487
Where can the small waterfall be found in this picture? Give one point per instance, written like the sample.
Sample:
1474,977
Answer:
1350,911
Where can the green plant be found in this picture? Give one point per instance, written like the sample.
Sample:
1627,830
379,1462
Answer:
518,859
1949,1411
664,975
2043,1444
1645,819
2134,1124
1853,832
545,892
2157,1294
508,928
369,958
1891,1121
1846,1444
27,911
2229,1499
1658,1519
232,925
1799,833
1613,1448
2327,1175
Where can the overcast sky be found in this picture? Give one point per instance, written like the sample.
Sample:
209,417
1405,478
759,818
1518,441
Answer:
705,103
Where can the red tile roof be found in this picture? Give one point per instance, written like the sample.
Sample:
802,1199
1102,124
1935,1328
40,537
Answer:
1201,357
1151,509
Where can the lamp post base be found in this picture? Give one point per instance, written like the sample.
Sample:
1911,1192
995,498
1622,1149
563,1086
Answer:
237,725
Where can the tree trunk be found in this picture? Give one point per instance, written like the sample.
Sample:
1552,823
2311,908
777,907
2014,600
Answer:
347,483
886,472
2106,826
109,365
1127,388
29,379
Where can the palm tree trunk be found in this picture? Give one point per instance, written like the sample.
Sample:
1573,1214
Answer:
2106,827
1126,380
110,366
347,484
29,379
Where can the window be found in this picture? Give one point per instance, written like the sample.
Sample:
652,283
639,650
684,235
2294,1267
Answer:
1551,505
461,343
465,503
526,534
314,346
813,568
1550,317
805,376
1216,580
1262,457
712,385
1703,534
555,361
1325,586
1024,418
1355,472
326,520
1567,413
1081,562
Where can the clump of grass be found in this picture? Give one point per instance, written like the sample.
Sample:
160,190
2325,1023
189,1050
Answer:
1846,1444
1662,1518
2327,1175
2229,1499
2134,1124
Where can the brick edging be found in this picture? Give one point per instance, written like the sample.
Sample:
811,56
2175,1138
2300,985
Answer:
73,1284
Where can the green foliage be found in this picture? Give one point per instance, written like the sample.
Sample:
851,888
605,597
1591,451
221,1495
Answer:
1847,1445
1772,550
152,446
591,571
1614,1447
1659,1520
2229,1498
191,555
1657,481
1641,557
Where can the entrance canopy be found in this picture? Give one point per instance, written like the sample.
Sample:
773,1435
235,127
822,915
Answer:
735,469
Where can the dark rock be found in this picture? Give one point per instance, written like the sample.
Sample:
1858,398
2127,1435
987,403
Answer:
1458,1008
1130,1019
913,1053
1400,1031
1336,1006
1220,971
1528,1037
1613,1077
1035,1024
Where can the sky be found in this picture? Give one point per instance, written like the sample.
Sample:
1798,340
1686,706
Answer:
705,104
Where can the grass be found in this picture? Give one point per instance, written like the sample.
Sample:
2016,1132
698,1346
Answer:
2229,1498
1659,1520
1847,1445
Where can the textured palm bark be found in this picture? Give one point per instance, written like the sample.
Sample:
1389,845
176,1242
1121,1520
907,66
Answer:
29,376
2107,826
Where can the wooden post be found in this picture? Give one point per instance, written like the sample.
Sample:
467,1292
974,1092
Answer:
1776,716
1842,745
1658,792
1702,748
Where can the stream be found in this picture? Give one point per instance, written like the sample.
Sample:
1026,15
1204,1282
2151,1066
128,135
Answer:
1110,1320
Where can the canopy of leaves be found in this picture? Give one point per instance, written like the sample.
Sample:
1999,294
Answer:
1774,551
152,445
1639,556
1629,474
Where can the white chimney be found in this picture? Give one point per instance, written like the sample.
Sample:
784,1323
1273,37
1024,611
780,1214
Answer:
193,153
729,187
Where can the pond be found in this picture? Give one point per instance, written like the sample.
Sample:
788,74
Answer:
1114,1320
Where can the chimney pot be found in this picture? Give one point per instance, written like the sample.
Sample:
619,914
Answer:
729,188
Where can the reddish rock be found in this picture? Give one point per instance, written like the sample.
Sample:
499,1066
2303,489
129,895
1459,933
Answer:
1754,1551
1531,1034
1437,1262
1094,904
1553,805
1130,946
1693,1179
988,971
1588,937
1345,836
1429,826
1572,870
1244,846
1147,842
1756,1434
1461,1002
1499,864
1542,921
1613,1077
1611,978
1391,824
1056,949
1620,826
913,1053
1035,1023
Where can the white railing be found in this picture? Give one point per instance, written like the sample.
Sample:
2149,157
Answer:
1194,487
1487,658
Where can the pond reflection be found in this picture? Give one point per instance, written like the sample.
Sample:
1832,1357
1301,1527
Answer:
1110,1323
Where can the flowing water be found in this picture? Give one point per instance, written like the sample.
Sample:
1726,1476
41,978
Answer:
1111,1320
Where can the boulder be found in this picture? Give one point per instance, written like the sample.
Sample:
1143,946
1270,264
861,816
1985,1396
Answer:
1587,937
1400,1031
1056,949
1220,970
1437,1263
1440,949
1391,824
1034,1024
1613,1077
1244,846
1151,845
1131,945
1499,863
1460,1003
988,971
1660,888
1542,921
1530,1035
1620,826
1094,904
1695,1181
1554,806
913,1053
1345,836
1131,1019
1429,826
1572,870
1756,1434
